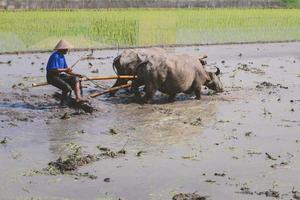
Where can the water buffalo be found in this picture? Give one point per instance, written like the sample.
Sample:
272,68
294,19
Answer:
174,74
128,60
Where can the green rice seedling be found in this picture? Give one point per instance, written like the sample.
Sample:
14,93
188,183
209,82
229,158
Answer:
41,29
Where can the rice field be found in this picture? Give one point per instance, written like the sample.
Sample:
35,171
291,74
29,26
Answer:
41,29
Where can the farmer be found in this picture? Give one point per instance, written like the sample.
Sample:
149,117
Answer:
60,75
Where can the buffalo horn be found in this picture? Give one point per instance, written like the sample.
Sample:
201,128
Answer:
218,71
117,58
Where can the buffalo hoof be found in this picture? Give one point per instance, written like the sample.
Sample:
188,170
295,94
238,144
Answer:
137,99
171,100
145,101
112,94
198,98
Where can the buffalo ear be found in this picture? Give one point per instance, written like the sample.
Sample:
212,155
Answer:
141,58
203,62
140,65
145,62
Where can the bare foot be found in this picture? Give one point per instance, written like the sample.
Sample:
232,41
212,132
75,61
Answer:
82,99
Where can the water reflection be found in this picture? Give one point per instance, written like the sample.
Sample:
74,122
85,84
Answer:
160,125
151,126
62,133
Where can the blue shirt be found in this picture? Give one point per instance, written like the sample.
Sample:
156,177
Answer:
56,61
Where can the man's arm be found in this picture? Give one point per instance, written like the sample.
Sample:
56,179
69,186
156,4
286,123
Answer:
74,74
56,71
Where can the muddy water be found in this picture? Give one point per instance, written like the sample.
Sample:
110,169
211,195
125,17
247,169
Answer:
214,147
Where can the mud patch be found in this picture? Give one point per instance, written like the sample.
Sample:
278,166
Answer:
189,196
245,190
269,193
3,141
269,85
248,68
72,162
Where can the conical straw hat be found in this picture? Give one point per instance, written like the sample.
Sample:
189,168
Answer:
63,44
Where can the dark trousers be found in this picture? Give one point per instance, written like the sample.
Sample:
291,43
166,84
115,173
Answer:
64,82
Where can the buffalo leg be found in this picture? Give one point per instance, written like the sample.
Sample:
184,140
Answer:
197,88
135,89
150,91
171,97
198,93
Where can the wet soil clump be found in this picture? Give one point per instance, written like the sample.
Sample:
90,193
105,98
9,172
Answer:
4,141
73,162
76,159
266,84
189,196
245,190
248,68
269,193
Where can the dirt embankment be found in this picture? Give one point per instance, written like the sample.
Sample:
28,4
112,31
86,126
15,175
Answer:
75,4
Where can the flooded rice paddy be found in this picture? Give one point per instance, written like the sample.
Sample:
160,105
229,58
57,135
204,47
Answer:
241,144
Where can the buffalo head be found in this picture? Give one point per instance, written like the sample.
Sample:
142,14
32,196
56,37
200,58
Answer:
214,83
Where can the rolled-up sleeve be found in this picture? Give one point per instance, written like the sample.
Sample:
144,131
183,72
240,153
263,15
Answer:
56,61
53,62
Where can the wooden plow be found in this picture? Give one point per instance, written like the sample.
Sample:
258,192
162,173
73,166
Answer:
95,94
91,78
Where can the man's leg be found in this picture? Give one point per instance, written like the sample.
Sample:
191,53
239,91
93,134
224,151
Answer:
77,91
61,84
64,96
75,83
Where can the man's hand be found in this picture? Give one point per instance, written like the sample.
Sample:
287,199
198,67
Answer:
75,74
80,76
68,70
